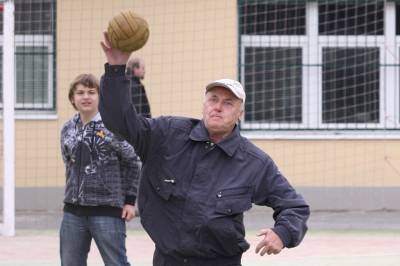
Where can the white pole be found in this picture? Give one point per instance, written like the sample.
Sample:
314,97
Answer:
8,227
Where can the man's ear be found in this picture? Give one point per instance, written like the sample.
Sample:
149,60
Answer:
240,117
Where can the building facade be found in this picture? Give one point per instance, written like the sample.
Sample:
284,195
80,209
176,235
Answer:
321,77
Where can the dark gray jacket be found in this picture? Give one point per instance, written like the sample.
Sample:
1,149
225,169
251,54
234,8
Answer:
193,193
100,169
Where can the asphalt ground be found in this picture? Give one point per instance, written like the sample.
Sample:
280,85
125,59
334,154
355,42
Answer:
345,238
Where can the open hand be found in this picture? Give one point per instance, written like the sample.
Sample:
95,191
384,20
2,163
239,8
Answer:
271,244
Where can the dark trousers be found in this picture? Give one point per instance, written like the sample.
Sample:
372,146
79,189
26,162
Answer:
160,259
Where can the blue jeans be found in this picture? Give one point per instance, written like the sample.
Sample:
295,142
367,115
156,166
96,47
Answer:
76,234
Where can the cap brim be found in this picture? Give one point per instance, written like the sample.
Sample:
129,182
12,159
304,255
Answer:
215,84
220,84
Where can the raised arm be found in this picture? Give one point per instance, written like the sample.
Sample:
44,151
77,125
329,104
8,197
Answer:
116,109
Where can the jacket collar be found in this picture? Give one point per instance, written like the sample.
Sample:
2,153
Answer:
77,119
97,117
229,144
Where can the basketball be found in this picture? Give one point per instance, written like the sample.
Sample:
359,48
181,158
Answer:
128,31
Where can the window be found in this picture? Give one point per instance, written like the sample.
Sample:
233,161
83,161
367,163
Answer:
351,18
259,17
278,69
34,54
319,65
350,85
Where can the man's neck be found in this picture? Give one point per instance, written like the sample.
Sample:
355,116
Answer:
215,138
87,117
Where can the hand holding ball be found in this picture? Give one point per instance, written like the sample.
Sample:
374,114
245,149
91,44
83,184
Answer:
127,31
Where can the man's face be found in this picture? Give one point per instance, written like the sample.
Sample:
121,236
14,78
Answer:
85,100
221,111
139,71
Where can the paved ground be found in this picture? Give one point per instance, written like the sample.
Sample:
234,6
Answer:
40,248
335,238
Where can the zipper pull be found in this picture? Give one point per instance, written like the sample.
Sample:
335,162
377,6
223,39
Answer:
172,181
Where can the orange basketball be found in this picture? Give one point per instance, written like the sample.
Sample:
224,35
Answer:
128,31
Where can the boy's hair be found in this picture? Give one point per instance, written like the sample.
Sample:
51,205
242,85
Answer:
87,80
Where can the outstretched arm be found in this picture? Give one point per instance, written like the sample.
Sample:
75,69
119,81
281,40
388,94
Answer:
115,106
291,212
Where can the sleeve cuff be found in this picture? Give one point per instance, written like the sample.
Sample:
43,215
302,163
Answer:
114,70
131,200
284,235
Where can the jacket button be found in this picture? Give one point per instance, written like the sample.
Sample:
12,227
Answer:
229,210
219,194
158,188
185,260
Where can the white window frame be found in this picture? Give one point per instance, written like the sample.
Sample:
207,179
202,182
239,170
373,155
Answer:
37,41
312,44
351,42
276,42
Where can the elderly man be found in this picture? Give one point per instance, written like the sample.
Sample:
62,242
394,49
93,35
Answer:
199,176
135,71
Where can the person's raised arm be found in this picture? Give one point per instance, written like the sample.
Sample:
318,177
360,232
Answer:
115,106
114,89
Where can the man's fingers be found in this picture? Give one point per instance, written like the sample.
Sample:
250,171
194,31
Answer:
128,212
128,218
276,251
268,250
265,250
263,242
263,232
260,246
268,245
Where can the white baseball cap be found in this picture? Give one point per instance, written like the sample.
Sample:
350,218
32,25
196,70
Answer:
234,86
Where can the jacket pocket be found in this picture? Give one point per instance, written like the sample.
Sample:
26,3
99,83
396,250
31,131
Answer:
110,178
233,200
224,233
163,182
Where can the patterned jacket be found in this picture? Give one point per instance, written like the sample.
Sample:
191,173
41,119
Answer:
101,170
